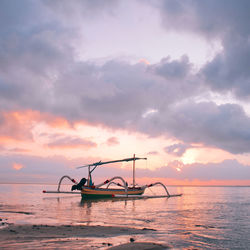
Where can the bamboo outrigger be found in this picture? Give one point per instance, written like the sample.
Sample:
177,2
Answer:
103,189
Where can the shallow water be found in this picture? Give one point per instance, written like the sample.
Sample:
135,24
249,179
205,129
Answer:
204,217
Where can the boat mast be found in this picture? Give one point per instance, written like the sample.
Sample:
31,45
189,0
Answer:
134,171
89,174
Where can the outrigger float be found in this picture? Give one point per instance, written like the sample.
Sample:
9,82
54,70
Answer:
103,190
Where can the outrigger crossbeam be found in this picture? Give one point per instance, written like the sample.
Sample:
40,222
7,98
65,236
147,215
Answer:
108,162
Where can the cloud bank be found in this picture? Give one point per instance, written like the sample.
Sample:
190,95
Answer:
32,169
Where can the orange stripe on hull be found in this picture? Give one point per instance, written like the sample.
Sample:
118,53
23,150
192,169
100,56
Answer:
99,191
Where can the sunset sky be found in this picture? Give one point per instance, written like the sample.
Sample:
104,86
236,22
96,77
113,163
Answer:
89,80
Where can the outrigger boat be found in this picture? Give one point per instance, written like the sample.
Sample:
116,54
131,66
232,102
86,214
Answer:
103,190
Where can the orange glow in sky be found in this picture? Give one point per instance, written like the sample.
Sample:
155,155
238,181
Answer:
17,166
43,135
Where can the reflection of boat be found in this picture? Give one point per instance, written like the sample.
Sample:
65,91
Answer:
103,190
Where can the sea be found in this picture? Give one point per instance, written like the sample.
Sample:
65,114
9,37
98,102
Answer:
202,218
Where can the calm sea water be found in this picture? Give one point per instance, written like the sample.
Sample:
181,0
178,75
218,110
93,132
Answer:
203,218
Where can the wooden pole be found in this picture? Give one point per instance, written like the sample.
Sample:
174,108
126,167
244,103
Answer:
134,171
88,182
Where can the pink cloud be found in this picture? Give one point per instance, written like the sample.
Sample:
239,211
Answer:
153,153
112,141
70,142
17,125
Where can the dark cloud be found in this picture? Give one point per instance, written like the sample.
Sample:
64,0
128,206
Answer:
173,68
229,70
225,21
15,16
223,126
81,8
116,93
210,17
177,149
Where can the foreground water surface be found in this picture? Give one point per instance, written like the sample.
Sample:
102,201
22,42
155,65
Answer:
203,218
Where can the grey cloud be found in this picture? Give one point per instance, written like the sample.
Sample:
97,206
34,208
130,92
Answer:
16,15
210,17
177,149
229,70
226,170
226,21
223,126
116,93
81,8
30,57
173,68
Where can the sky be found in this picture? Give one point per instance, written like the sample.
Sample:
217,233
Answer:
89,80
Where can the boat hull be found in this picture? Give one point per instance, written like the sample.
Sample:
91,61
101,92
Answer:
88,192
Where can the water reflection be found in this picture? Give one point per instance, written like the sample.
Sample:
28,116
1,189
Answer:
204,217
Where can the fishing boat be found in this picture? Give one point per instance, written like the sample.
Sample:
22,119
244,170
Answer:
89,190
